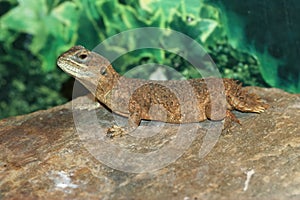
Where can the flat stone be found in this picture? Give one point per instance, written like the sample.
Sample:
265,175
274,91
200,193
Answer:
63,153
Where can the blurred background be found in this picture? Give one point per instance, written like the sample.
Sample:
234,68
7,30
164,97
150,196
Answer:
256,42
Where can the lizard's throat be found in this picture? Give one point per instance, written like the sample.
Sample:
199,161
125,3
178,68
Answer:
90,84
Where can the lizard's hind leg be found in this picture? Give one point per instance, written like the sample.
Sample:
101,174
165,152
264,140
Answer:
240,99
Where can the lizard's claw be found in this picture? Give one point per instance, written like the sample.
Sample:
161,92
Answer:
115,131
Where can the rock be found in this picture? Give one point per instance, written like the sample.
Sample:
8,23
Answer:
63,153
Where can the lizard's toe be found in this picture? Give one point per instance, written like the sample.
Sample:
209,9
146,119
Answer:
115,131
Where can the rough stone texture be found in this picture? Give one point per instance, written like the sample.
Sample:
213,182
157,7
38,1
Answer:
44,156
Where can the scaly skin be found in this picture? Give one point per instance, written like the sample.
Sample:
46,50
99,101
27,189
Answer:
173,101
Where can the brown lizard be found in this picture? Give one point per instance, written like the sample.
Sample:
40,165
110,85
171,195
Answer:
173,101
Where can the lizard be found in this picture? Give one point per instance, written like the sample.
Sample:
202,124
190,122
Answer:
171,101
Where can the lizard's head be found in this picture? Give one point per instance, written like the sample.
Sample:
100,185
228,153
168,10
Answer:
83,64
92,70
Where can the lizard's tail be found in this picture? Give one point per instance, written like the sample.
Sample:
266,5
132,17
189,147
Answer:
240,99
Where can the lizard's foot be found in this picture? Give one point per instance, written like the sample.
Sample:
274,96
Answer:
115,131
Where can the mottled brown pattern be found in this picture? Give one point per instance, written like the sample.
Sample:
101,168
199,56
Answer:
173,101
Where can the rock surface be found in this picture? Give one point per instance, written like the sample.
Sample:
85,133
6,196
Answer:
62,153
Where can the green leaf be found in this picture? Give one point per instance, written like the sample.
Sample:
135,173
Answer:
167,7
268,67
191,9
27,17
66,13
206,27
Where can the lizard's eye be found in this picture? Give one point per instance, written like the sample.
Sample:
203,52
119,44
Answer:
103,71
82,56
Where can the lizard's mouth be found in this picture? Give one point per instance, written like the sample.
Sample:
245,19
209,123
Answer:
73,68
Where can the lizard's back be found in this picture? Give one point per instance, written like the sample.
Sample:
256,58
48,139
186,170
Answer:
175,101
181,101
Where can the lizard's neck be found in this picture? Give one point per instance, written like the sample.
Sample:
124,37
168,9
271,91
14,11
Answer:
105,84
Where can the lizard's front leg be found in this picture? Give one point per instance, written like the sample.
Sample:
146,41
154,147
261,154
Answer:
134,120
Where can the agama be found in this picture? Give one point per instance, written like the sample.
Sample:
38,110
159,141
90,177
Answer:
172,101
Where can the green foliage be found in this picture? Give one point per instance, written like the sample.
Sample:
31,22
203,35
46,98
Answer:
238,65
47,28
25,81
54,27
24,86
269,31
